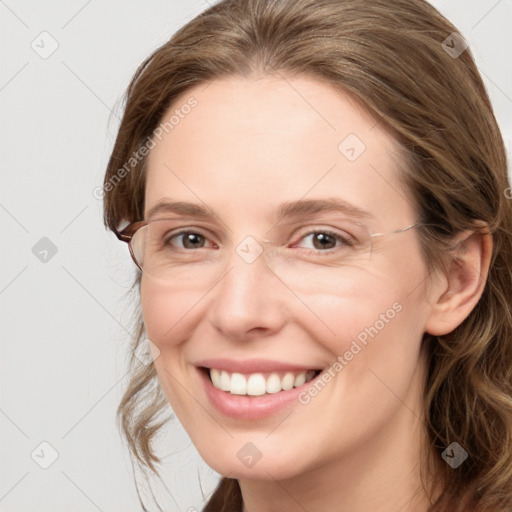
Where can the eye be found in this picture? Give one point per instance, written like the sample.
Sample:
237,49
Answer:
187,240
324,240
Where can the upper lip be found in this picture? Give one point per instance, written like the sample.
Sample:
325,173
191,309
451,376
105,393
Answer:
253,365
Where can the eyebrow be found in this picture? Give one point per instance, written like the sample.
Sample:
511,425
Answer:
288,209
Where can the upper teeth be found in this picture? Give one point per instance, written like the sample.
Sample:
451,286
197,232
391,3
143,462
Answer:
256,383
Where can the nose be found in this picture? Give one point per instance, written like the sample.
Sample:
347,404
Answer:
249,300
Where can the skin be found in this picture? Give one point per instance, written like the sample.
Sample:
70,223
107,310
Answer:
250,144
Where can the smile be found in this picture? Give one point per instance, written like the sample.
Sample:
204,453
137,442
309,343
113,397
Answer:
253,389
257,384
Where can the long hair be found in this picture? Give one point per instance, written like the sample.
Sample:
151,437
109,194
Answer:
408,66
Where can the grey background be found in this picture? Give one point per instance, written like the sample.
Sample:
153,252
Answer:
65,321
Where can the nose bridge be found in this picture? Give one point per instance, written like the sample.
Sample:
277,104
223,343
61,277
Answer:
248,294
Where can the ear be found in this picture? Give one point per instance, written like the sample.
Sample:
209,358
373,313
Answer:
455,295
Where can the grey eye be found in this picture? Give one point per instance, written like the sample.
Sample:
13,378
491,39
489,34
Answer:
325,240
189,240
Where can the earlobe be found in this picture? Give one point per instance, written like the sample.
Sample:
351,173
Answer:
463,284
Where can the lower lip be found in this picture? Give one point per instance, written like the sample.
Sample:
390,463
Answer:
246,407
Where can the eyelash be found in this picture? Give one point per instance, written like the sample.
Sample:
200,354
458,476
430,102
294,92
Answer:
344,241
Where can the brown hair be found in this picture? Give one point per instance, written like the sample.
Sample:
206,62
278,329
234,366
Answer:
391,56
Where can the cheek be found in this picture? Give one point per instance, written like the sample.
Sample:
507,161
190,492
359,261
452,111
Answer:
356,305
375,352
167,314
167,311
156,305
371,325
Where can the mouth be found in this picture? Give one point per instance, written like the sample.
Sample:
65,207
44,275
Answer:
258,384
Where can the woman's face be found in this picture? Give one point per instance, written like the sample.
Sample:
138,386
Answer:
323,295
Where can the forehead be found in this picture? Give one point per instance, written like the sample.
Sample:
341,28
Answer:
254,142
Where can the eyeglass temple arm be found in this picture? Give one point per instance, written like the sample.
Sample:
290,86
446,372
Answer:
397,230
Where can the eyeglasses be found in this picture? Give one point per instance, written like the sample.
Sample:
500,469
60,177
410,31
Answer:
163,250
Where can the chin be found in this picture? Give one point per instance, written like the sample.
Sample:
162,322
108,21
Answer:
243,460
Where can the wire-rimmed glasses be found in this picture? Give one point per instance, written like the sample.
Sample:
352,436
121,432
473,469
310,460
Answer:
160,246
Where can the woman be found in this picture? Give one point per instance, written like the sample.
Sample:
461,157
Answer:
314,193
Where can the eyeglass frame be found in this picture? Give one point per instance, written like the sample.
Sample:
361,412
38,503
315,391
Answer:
128,232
